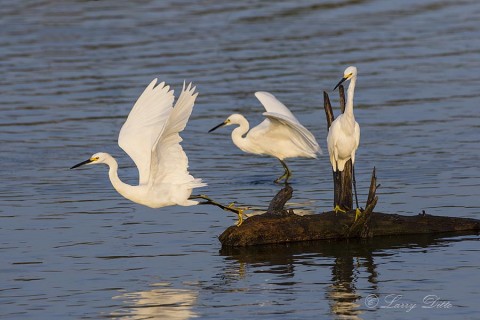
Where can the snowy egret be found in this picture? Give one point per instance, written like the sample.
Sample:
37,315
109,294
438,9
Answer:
280,135
344,134
150,136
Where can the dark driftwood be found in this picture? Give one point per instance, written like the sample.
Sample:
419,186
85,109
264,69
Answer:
277,204
270,229
328,109
341,92
281,226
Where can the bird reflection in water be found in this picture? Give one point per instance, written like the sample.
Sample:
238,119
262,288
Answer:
162,302
350,262
344,301
284,260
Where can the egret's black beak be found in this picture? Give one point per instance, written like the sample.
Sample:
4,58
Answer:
216,127
339,83
81,163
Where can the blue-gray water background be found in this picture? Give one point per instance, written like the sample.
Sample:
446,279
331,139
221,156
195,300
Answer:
72,248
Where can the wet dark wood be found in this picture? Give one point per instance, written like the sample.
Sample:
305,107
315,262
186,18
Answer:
271,229
277,204
341,93
362,226
328,109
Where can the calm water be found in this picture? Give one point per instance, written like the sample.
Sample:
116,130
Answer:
72,248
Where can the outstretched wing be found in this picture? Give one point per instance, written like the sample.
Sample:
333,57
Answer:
278,113
271,104
303,138
145,124
169,161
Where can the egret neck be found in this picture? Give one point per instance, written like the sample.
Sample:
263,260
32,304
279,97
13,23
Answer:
118,184
349,106
238,134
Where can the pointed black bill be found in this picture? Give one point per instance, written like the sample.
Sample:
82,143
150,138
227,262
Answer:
339,83
81,163
216,127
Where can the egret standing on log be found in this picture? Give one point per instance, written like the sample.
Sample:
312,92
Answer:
150,136
280,135
344,134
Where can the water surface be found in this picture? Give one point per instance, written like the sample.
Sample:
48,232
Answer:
71,247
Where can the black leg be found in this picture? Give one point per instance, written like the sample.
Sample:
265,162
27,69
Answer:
230,207
337,190
357,211
286,175
354,185
210,201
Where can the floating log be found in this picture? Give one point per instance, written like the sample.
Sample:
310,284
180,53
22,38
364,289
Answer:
284,226
268,229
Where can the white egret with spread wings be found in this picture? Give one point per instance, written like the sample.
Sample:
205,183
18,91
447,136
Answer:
280,135
150,136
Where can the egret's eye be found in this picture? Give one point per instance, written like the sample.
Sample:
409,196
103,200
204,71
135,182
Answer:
95,159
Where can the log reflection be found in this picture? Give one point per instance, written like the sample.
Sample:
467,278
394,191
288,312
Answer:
349,261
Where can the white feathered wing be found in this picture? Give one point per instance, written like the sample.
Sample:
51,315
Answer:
144,125
278,113
169,161
150,136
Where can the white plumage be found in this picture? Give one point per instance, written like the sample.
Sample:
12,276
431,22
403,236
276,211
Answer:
344,133
150,136
280,135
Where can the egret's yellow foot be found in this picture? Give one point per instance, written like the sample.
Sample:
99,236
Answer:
238,211
358,212
284,176
337,209
229,207
240,218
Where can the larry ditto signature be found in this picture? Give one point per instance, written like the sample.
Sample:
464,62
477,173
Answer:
394,301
